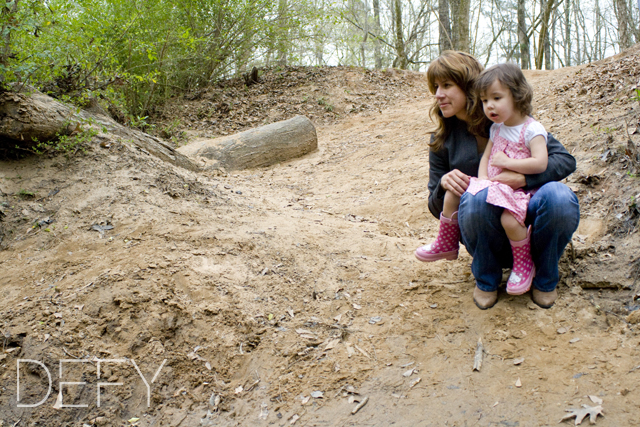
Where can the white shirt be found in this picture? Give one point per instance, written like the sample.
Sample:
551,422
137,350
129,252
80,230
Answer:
512,133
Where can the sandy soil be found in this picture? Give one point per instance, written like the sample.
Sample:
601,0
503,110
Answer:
287,295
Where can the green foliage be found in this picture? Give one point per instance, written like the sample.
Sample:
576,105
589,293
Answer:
137,54
172,133
26,194
327,106
64,144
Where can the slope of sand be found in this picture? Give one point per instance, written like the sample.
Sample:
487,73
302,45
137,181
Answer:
261,288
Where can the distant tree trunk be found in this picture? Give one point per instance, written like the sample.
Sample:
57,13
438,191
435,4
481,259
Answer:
548,59
319,38
523,37
575,13
365,37
598,35
567,33
545,7
282,47
444,24
624,23
376,43
401,60
460,27
637,27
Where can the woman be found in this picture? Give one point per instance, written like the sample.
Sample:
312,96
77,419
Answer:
456,149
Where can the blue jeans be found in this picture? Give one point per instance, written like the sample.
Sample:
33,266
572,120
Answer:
554,214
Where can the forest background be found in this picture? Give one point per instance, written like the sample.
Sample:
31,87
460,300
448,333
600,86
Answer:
136,54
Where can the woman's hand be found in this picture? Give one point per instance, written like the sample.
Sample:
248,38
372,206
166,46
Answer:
513,179
455,181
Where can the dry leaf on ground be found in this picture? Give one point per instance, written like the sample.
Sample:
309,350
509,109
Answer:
592,411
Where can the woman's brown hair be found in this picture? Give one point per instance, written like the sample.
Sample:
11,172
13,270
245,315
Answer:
511,77
462,69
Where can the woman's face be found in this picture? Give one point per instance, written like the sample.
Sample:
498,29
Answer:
451,99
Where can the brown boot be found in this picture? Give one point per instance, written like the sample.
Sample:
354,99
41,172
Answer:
484,300
544,299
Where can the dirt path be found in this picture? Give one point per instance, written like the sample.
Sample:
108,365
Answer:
255,291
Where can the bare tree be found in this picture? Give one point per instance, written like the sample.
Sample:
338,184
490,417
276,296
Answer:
624,23
567,33
401,60
363,44
548,59
460,27
376,29
282,45
445,35
523,37
546,7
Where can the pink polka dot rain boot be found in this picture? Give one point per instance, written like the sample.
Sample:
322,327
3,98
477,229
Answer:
523,268
446,244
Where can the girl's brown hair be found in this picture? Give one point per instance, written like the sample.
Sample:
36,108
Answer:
462,69
511,77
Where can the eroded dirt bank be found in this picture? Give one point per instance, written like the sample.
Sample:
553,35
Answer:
243,295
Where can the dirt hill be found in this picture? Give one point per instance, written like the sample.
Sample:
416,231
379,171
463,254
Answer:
287,295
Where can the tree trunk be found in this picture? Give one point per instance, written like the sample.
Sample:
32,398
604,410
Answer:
376,43
578,51
365,35
259,147
401,60
444,34
637,26
548,59
523,37
545,7
460,27
29,118
598,35
567,33
319,37
624,24
281,41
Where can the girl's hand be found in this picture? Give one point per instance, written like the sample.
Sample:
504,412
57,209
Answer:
455,181
500,160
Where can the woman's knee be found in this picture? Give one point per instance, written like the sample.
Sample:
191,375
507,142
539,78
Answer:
558,203
475,208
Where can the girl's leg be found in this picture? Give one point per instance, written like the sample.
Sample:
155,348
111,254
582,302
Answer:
451,203
523,268
512,228
447,243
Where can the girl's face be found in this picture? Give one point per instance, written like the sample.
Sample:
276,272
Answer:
498,105
451,99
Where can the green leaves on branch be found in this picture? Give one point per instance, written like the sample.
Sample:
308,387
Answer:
138,53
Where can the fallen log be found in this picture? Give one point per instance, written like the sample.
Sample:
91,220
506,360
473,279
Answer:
29,117
258,147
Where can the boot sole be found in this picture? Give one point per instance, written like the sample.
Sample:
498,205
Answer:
525,288
452,255
485,307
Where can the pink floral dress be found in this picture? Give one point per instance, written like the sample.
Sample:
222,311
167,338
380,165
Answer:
516,201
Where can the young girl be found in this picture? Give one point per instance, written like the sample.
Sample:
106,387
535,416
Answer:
517,143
